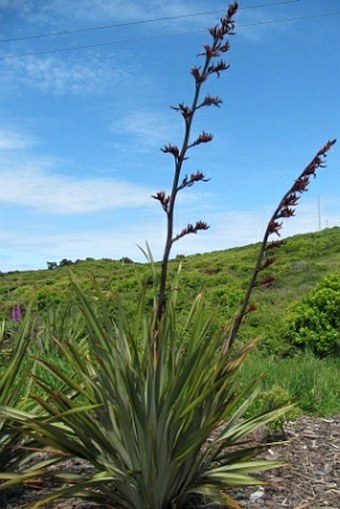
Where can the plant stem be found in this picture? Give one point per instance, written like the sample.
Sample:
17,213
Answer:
172,202
200,75
283,210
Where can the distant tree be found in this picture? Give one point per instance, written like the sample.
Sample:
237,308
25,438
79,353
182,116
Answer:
64,262
52,265
126,259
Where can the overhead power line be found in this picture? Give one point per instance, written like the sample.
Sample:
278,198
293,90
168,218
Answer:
137,22
158,36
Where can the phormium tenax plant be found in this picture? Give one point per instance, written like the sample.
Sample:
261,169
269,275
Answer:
152,406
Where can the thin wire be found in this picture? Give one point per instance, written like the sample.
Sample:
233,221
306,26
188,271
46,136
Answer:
131,23
168,34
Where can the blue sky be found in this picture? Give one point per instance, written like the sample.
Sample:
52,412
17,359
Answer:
85,110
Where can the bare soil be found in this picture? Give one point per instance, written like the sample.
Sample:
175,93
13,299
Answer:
310,478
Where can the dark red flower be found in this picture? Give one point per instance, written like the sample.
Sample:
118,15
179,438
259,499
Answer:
171,149
226,25
301,184
210,100
194,177
224,47
286,212
274,227
190,228
217,32
291,199
199,76
218,68
267,282
203,138
210,51
184,109
274,244
252,308
267,262
326,147
163,198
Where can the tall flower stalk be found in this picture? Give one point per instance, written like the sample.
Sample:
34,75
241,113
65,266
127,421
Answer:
200,74
284,210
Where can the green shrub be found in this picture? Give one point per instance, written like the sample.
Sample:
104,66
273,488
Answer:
273,398
314,323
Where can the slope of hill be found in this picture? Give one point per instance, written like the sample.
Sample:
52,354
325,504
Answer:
300,263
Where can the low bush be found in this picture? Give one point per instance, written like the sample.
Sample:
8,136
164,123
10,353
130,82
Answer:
314,323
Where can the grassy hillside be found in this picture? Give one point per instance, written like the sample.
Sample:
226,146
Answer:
300,263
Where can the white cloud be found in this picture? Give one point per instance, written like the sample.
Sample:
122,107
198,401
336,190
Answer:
39,17
122,240
241,227
149,128
257,25
92,11
52,193
12,139
32,249
49,73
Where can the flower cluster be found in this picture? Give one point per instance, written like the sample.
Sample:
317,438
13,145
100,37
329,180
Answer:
291,198
274,244
286,209
274,227
198,75
268,261
171,149
210,100
218,46
202,138
184,109
190,228
267,282
194,177
227,24
163,198
218,68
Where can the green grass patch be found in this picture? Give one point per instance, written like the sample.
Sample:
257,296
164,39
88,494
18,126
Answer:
312,384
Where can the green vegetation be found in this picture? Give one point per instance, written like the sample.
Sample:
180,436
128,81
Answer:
314,323
15,393
152,383
141,425
312,384
302,263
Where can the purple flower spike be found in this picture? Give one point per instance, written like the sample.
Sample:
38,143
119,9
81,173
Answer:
16,313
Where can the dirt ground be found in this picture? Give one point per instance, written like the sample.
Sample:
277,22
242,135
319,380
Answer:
310,478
